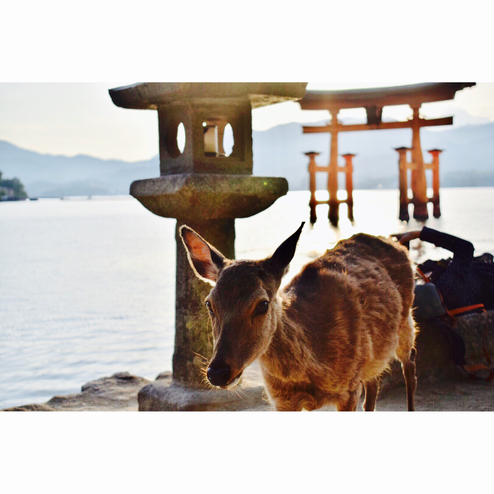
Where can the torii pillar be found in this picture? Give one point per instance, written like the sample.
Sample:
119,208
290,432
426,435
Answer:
419,184
434,166
333,213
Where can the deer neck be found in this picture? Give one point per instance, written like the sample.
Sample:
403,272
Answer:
287,349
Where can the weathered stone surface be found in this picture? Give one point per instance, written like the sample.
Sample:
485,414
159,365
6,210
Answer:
208,196
35,407
165,395
477,333
203,154
434,358
164,375
159,396
151,95
118,392
193,336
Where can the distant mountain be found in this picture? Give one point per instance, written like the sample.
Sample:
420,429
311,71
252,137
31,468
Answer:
467,160
48,175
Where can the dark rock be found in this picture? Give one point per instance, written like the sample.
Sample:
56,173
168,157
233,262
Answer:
476,331
434,350
118,392
36,407
164,375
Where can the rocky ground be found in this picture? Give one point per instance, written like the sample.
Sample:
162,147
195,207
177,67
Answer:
441,384
115,393
119,393
465,395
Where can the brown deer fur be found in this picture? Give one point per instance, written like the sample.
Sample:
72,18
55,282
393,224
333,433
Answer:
332,330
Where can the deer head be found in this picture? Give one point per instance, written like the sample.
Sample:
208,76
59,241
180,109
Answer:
243,304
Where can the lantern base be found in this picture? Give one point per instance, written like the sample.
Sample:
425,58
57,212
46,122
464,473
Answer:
159,396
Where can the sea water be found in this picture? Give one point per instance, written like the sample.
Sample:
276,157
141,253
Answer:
87,287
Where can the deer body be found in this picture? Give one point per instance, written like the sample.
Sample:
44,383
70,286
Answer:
333,330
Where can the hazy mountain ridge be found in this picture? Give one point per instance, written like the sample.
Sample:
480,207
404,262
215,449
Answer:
467,160
58,175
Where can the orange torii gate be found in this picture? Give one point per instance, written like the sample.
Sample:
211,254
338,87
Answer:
373,100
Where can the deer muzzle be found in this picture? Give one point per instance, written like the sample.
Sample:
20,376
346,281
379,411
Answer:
220,374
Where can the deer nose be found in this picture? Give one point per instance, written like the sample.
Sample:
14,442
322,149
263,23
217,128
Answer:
219,374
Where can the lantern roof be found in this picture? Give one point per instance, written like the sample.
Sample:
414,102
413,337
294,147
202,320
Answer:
151,95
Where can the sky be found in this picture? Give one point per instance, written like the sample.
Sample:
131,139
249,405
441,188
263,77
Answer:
80,118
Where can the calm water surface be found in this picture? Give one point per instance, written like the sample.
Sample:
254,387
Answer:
87,286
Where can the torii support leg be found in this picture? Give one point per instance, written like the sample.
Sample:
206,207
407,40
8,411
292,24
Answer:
349,183
333,171
312,184
435,182
403,166
419,185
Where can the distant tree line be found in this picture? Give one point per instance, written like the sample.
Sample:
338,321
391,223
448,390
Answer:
11,189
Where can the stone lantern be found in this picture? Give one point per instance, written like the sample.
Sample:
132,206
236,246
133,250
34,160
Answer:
204,188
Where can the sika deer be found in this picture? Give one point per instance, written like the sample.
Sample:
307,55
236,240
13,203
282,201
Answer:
335,328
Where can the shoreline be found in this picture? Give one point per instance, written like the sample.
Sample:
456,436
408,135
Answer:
118,393
441,384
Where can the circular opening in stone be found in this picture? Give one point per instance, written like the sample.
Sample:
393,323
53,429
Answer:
171,140
181,137
228,140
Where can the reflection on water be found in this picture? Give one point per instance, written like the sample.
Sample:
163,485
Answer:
467,212
87,287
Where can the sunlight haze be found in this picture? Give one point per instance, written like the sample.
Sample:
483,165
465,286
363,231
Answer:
80,118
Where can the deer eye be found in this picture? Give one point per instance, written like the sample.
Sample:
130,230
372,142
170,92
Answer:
209,307
261,308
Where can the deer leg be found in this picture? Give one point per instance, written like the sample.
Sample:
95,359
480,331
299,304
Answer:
406,354
348,401
297,402
371,391
408,369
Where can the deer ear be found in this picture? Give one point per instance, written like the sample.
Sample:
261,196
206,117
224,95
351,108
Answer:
205,260
279,261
